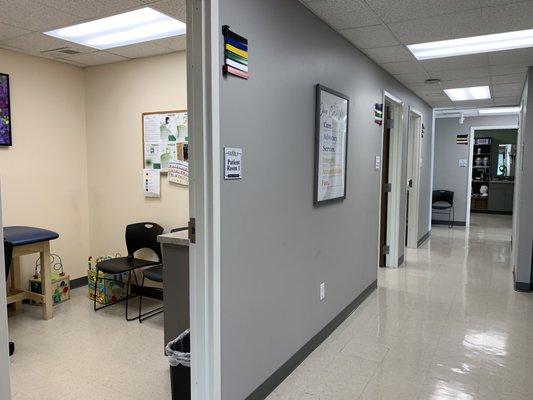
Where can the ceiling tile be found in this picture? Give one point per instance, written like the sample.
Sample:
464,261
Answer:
370,37
96,58
389,54
518,56
413,77
473,103
511,17
76,64
93,8
442,64
394,10
513,78
507,69
424,88
449,26
29,14
462,83
140,50
39,44
490,3
342,14
452,74
440,103
8,31
507,101
175,43
403,67
174,8
507,89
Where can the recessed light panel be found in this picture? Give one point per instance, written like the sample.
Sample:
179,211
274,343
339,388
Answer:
499,110
473,45
132,27
470,93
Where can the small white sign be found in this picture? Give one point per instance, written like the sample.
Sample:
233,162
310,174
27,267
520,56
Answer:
377,163
151,182
232,163
463,163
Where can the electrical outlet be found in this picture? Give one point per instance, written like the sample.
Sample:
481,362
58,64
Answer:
322,291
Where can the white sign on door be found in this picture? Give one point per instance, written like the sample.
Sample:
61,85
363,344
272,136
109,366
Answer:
232,163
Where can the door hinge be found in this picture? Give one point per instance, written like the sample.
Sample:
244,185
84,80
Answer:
192,230
389,124
386,249
388,188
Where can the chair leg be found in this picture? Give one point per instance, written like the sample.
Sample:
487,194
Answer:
453,216
141,299
128,294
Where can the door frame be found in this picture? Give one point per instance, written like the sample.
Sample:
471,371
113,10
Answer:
203,78
394,213
473,130
415,163
5,384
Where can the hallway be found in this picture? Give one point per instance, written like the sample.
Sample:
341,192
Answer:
447,326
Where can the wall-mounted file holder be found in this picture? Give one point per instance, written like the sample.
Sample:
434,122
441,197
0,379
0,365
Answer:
235,54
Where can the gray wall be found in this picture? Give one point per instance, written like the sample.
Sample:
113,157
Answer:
523,218
447,174
276,247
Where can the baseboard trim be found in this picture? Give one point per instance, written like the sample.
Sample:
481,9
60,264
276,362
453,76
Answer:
401,260
522,286
492,212
443,222
78,282
286,369
423,239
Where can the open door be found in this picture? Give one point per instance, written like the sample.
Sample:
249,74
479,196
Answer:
413,177
4,342
390,248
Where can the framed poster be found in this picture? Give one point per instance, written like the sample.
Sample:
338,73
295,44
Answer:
165,139
331,145
5,112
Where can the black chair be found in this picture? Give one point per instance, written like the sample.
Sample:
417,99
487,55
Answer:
154,274
8,257
139,236
442,203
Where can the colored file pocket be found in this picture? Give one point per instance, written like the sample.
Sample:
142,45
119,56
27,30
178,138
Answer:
235,54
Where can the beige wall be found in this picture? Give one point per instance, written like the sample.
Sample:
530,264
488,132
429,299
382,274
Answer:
76,163
44,175
116,96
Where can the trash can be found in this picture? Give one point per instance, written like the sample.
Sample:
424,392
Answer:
178,354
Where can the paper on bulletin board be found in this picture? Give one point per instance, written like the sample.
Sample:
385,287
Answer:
165,135
178,172
152,182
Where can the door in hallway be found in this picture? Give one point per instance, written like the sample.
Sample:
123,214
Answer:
384,189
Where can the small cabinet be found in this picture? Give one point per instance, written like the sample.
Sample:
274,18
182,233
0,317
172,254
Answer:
501,196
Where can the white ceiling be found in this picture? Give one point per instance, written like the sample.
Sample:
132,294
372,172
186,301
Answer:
382,29
23,21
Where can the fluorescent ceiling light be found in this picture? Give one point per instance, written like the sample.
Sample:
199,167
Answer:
499,110
473,45
470,93
132,27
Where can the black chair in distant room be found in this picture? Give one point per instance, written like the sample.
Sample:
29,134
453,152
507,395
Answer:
139,236
8,257
154,274
442,203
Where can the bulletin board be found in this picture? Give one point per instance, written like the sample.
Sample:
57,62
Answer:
165,139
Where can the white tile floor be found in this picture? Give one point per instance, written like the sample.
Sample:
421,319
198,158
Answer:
447,326
84,355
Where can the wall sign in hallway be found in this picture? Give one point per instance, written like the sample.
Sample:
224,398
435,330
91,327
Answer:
232,163
331,145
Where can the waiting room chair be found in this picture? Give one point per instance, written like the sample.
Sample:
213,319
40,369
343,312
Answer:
442,203
8,257
139,236
154,274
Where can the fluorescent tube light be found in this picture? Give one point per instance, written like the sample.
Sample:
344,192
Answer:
132,27
470,93
499,110
473,45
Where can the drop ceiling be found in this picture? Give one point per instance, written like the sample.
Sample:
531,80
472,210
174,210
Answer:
23,21
383,28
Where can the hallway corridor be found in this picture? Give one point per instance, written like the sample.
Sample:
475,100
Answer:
446,326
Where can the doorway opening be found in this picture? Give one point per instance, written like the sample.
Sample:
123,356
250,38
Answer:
390,248
413,177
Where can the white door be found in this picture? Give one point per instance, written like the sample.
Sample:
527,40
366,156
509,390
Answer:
4,349
413,177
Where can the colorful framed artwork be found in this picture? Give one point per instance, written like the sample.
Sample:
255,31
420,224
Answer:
5,112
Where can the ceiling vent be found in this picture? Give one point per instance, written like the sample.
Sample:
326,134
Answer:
432,81
60,52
